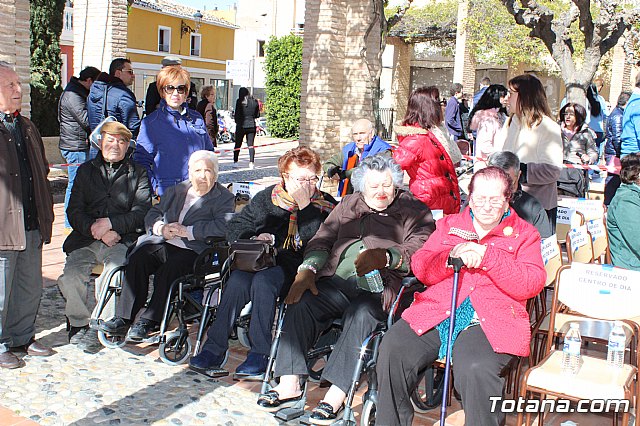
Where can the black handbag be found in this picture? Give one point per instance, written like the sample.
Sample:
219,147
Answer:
573,182
251,255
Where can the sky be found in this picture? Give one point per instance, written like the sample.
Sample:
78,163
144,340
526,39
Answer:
208,4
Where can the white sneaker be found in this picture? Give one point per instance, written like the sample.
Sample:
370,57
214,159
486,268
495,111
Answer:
251,166
236,165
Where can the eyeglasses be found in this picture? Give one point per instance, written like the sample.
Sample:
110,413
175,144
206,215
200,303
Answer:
311,179
130,71
494,202
182,89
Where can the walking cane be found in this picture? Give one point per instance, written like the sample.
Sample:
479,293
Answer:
457,264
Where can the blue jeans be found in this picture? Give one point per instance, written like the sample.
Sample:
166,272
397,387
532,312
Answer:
72,157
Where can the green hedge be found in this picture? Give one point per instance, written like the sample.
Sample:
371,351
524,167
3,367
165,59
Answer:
46,64
283,68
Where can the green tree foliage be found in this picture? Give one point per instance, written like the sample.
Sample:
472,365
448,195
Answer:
283,69
46,64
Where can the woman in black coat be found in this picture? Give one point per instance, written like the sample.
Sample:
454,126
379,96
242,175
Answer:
247,110
287,215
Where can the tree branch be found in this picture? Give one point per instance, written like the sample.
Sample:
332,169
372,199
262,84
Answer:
586,21
400,11
534,16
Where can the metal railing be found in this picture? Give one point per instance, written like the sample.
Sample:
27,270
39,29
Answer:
385,118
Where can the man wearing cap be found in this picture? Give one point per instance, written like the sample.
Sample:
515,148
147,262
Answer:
113,89
152,100
109,200
25,224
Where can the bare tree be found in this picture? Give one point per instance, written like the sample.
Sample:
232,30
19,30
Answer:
600,33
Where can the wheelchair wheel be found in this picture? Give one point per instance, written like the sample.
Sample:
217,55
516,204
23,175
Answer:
111,342
427,397
368,416
176,349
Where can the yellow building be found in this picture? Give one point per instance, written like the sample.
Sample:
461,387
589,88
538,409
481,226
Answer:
159,28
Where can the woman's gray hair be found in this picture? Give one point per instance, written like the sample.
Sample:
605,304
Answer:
379,162
205,155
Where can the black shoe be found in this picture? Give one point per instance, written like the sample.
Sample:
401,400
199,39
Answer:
271,401
90,343
254,365
76,334
140,330
115,326
323,414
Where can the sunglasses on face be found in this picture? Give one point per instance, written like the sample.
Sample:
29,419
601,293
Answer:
182,89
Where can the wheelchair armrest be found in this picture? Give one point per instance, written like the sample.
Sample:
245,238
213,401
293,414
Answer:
214,241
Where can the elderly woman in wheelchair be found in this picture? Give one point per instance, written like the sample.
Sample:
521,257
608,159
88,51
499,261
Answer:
503,270
373,231
287,215
177,228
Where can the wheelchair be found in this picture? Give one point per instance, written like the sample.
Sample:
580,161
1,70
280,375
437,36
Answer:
189,295
366,364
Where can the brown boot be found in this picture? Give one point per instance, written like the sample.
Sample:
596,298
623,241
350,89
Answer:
9,360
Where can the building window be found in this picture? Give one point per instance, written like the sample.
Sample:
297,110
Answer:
164,39
196,42
68,20
260,49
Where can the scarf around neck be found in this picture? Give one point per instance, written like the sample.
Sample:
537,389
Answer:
281,198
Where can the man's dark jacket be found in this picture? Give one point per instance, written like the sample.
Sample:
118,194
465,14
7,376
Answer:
125,199
121,103
73,118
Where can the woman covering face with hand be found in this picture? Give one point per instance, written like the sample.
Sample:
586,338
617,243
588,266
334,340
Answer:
287,215
376,228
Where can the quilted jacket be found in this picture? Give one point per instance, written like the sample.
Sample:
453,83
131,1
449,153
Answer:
432,175
511,272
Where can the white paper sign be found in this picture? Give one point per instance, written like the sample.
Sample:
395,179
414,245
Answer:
579,237
249,188
590,209
567,216
549,247
596,228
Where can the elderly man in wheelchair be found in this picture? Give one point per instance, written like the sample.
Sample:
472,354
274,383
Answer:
177,228
352,269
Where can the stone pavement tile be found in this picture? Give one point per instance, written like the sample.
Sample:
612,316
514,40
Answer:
8,418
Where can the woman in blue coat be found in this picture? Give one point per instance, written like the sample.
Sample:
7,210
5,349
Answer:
170,134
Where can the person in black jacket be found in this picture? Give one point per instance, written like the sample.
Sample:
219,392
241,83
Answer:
247,110
74,126
612,148
109,201
288,215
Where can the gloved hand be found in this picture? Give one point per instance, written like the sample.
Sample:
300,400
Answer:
305,280
369,260
523,172
336,170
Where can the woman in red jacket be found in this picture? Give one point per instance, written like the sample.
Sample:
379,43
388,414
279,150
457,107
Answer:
503,270
425,154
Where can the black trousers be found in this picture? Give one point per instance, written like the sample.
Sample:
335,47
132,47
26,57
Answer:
167,263
361,311
476,368
251,136
262,288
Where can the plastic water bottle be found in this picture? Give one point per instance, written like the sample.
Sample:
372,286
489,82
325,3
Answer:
616,346
215,261
374,281
571,350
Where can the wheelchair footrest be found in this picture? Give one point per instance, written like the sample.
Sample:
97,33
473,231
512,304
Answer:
214,373
288,414
254,378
